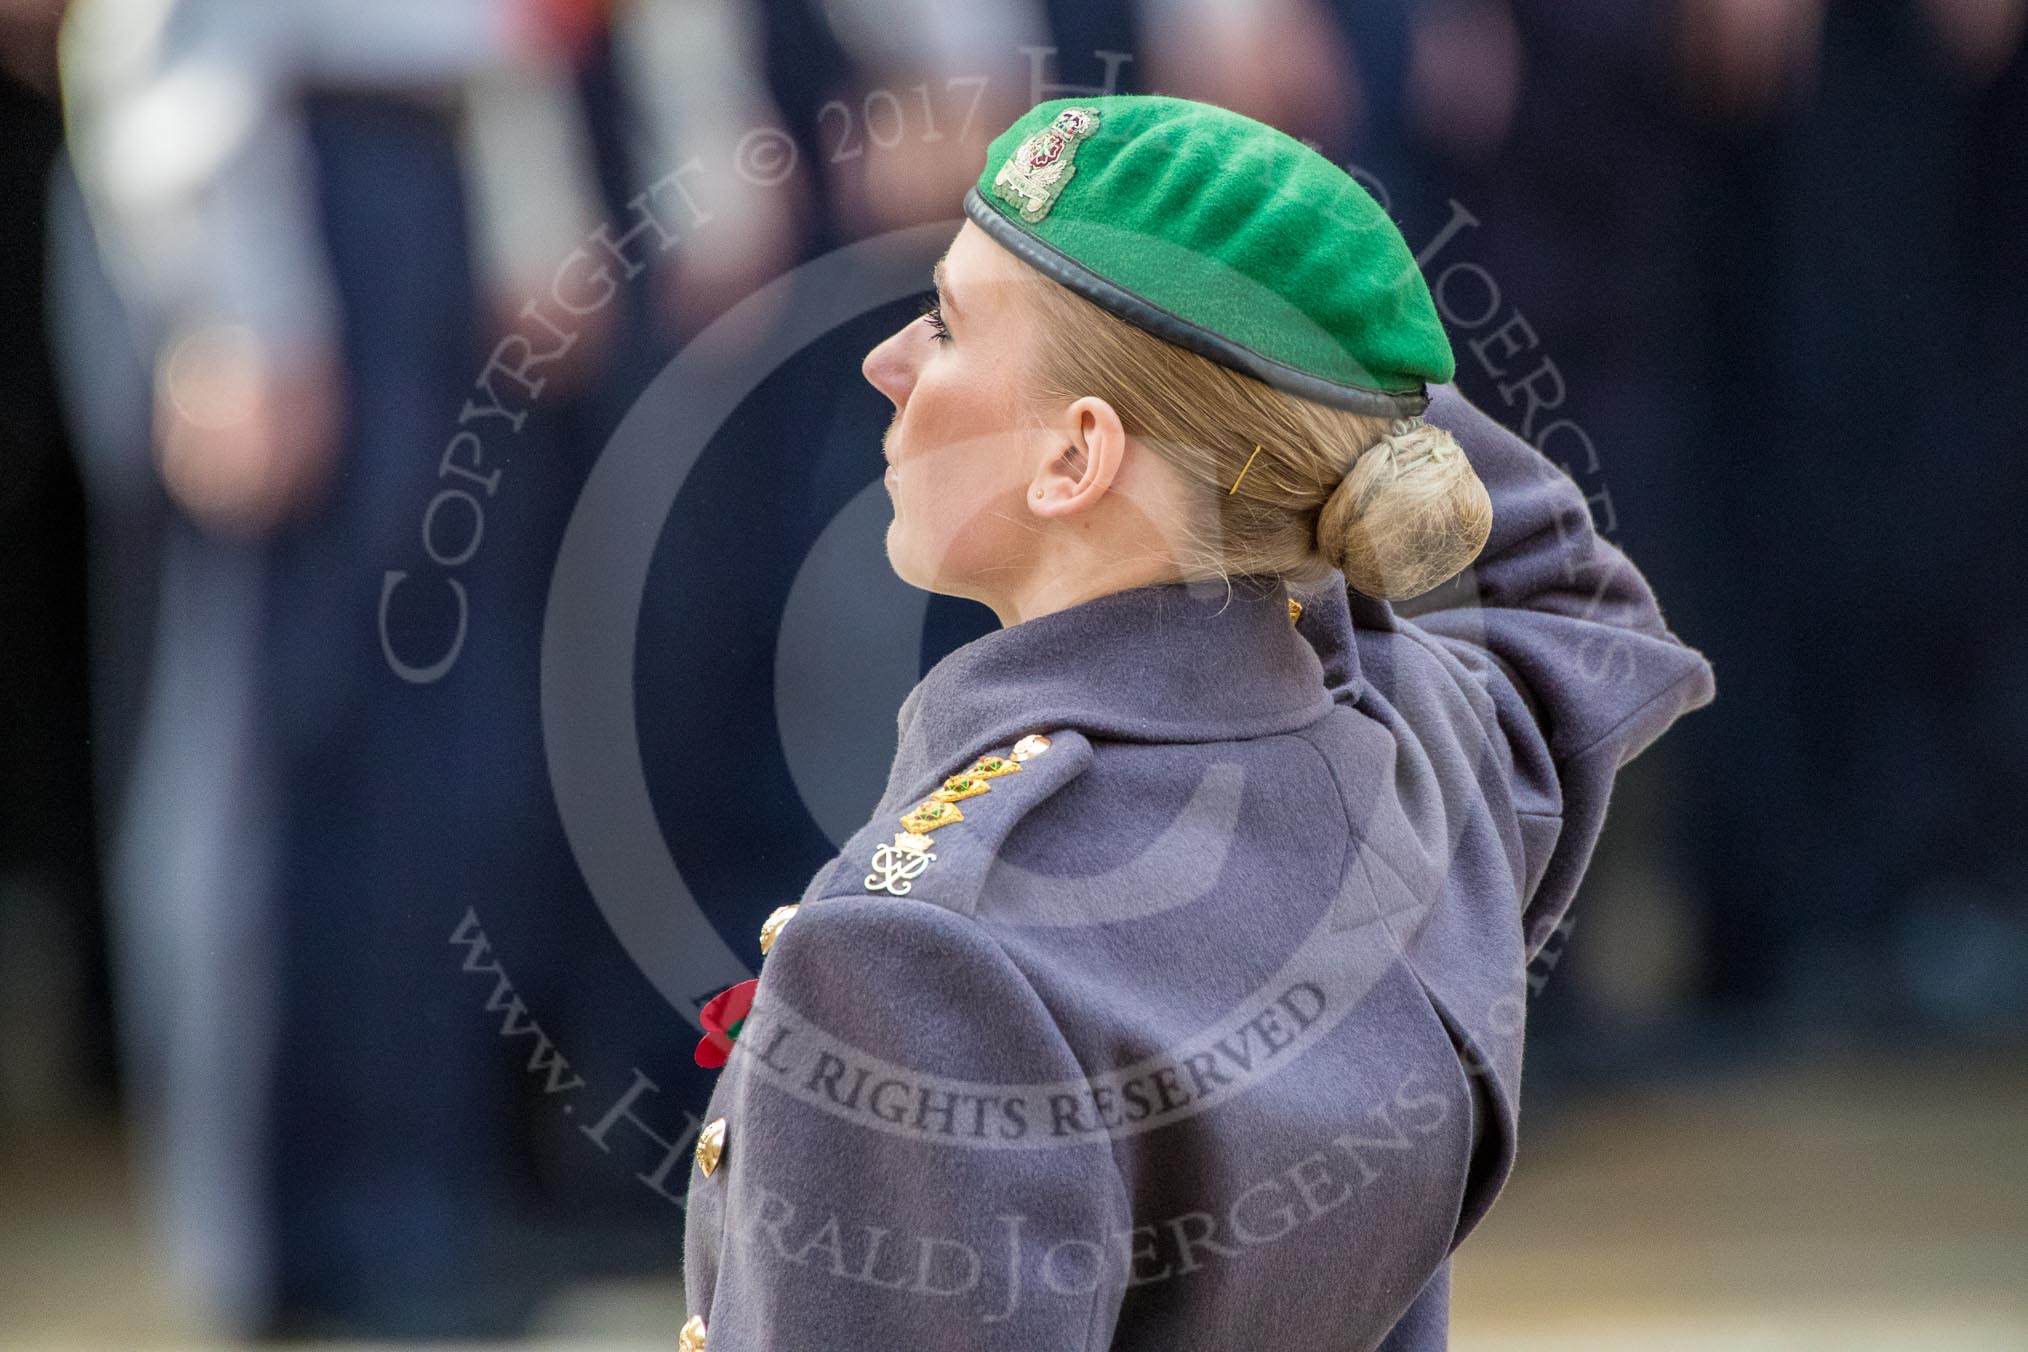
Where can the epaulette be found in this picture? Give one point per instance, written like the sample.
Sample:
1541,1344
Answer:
951,833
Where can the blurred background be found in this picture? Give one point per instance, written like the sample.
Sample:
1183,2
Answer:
321,1015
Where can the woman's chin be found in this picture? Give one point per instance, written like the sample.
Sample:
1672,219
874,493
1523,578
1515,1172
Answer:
897,556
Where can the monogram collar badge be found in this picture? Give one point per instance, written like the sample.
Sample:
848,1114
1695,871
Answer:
1043,163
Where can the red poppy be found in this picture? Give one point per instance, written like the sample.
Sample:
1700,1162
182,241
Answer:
722,1019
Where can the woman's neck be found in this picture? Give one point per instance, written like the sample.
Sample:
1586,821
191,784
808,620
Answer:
1047,589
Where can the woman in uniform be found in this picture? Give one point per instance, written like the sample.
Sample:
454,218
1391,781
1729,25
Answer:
1173,996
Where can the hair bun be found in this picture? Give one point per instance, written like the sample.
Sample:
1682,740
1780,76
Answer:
1408,516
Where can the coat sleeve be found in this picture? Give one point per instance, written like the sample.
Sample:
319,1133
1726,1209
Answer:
1564,635
890,1177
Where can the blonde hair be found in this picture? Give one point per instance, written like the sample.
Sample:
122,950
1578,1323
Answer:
1393,505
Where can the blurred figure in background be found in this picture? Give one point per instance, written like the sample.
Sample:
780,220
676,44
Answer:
266,351
52,996
1874,881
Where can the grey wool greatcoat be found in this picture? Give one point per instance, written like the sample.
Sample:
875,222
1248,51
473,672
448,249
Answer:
1174,1042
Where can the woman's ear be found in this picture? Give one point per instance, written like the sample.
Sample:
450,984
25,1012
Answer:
1076,478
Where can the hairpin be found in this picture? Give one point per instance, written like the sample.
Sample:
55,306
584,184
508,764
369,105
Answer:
1242,473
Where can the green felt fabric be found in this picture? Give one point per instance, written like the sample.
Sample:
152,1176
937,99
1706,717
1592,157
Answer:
1230,226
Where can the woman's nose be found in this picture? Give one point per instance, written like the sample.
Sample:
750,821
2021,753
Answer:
889,368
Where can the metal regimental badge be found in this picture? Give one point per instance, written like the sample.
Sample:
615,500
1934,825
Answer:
992,767
1043,163
960,787
931,813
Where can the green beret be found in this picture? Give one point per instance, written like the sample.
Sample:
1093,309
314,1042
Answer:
1221,235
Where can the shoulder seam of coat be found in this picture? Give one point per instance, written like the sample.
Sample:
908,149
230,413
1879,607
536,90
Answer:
1338,795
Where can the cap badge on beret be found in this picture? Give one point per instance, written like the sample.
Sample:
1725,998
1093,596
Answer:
1044,162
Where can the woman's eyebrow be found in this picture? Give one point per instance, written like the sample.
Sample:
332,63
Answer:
941,280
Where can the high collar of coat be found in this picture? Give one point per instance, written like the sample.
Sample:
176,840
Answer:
1167,662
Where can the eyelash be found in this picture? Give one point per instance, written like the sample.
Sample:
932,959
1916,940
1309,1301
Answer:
934,313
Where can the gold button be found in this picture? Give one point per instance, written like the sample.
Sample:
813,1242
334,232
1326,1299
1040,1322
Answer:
1029,747
710,1145
771,928
1295,610
691,1339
